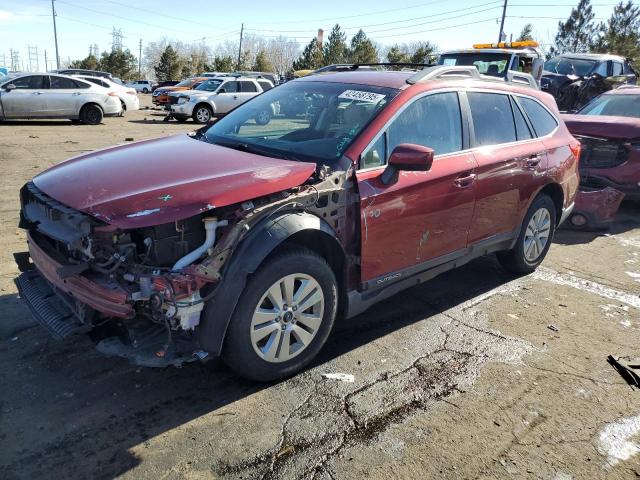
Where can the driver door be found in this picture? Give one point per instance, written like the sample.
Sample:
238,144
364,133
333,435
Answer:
422,219
227,98
28,99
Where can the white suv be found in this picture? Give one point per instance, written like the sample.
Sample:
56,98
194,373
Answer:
144,86
218,96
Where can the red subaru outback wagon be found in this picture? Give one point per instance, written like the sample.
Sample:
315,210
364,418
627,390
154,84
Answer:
247,240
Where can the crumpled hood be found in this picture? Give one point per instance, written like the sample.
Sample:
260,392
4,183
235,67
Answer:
603,126
187,93
163,180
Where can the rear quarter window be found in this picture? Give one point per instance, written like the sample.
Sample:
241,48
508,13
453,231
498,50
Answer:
543,122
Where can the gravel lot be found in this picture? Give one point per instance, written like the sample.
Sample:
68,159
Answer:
457,378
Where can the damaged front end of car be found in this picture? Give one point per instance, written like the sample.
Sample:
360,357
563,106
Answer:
143,293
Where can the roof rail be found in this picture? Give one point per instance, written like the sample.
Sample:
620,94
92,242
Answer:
347,67
444,72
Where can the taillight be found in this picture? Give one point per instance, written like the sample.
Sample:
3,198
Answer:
112,94
576,148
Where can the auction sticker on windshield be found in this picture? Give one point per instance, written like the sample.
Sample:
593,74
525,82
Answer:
368,97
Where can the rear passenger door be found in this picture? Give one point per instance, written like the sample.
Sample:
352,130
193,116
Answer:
248,90
423,218
63,97
511,163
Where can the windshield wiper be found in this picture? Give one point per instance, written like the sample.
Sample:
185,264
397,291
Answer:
250,148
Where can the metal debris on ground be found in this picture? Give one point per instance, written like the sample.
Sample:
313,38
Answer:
343,377
551,326
627,368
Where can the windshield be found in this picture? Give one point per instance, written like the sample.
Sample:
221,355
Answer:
186,83
209,85
495,64
614,105
570,66
305,121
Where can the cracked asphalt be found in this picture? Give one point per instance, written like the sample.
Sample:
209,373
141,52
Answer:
461,377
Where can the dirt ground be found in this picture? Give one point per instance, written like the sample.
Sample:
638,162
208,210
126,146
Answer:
462,377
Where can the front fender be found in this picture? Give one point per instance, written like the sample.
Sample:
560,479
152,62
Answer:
263,239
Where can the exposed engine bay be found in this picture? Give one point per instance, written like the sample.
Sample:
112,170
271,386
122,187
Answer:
161,275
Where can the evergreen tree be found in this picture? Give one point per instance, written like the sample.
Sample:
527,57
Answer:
362,49
120,63
621,34
311,58
262,63
526,33
223,64
169,67
422,52
335,50
397,54
89,63
576,35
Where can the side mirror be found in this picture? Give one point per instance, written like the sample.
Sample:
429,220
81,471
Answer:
407,157
221,91
9,87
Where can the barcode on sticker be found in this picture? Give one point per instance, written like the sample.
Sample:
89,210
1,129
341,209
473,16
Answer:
368,97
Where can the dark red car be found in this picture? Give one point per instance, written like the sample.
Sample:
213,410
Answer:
247,240
609,130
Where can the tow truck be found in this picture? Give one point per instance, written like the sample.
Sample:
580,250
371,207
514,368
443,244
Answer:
504,59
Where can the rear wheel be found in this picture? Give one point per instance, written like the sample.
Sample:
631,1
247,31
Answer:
145,90
536,235
283,317
91,114
202,114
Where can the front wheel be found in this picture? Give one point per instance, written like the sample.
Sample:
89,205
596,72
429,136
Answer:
536,235
283,317
202,114
145,90
263,117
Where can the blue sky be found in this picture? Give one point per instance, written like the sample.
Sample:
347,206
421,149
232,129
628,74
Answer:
448,23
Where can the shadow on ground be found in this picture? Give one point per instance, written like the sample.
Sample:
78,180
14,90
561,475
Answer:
80,412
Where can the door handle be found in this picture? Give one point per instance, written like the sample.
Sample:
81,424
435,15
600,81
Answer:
235,97
37,93
76,93
465,180
533,161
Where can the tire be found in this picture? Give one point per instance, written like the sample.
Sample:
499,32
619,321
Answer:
531,246
145,90
202,114
262,357
91,114
263,117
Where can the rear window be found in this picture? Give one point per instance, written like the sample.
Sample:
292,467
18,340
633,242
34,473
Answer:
265,85
492,118
543,122
615,105
63,83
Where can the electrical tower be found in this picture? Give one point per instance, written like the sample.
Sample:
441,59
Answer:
34,63
15,60
93,50
116,43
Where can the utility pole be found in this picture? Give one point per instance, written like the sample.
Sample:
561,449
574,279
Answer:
55,34
504,13
46,62
240,47
140,60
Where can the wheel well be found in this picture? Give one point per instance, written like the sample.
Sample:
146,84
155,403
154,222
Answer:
328,248
554,191
89,104
203,104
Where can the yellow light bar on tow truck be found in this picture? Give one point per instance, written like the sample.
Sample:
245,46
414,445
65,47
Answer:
526,43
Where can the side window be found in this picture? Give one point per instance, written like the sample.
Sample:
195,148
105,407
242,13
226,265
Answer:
522,129
492,118
543,122
433,121
80,84
602,69
628,70
62,83
617,69
265,85
33,82
248,87
230,87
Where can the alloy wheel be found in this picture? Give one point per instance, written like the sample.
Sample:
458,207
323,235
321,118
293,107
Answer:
203,115
536,235
287,318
